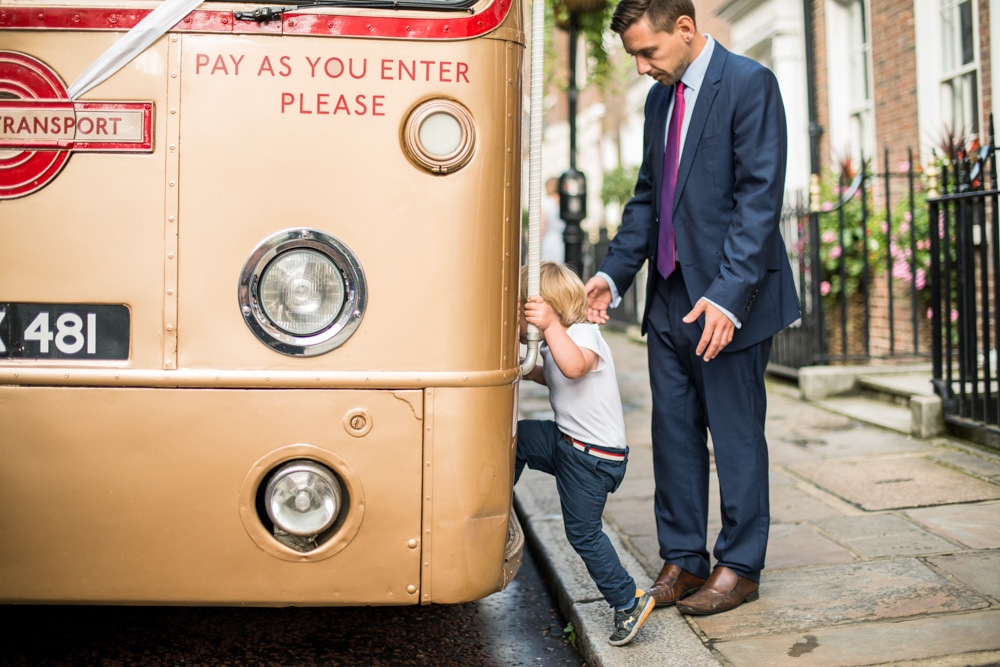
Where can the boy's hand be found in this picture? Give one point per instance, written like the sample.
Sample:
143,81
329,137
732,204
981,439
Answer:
539,313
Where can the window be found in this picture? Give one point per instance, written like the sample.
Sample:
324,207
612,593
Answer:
960,69
859,91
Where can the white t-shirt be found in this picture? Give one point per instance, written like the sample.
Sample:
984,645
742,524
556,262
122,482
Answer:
588,408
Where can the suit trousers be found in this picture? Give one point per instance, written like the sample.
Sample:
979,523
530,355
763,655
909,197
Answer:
725,397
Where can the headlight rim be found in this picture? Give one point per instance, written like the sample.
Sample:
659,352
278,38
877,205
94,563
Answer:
352,309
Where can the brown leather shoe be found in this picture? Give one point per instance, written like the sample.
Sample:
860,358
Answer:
723,591
673,584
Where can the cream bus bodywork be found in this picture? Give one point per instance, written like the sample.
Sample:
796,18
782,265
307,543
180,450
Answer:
138,479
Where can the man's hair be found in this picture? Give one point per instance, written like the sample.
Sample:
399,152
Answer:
562,290
661,14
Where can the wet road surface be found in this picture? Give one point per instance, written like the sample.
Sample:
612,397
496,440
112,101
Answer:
519,626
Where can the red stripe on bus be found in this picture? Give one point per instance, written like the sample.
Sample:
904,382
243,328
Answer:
452,26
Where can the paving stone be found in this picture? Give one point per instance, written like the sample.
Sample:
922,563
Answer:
882,535
806,599
925,639
976,526
975,465
800,545
895,483
978,569
790,504
863,441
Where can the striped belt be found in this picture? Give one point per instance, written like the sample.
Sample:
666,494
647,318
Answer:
608,453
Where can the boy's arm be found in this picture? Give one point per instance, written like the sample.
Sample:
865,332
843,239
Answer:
536,374
572,360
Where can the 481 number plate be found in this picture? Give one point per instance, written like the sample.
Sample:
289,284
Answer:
63,331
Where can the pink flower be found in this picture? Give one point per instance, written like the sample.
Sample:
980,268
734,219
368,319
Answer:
829,237
827,206
835,252
824,288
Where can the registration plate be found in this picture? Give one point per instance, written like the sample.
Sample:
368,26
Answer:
63,331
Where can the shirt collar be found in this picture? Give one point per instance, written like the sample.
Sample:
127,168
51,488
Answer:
695,72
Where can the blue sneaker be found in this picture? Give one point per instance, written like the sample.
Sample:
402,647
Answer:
627,623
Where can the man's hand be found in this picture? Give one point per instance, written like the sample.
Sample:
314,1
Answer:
718,331
598,299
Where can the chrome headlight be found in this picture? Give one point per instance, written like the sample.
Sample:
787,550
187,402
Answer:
303,498
302,292
438,136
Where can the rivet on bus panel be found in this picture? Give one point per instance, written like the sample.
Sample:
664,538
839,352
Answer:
170,327
170,218
170,292
173,110
411,589
412,543
170,255
173,75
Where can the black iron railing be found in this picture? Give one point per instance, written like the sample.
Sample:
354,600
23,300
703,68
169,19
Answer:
965,293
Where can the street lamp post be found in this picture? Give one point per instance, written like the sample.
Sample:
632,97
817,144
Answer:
573,183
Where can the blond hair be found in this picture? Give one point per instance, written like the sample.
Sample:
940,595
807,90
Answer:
562,289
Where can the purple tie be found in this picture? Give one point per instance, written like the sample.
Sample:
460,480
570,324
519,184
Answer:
665,259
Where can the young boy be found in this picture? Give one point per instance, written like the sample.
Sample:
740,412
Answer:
584,448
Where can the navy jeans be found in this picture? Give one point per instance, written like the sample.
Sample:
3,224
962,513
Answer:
584,482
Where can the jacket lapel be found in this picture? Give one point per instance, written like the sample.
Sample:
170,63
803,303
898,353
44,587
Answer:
702,108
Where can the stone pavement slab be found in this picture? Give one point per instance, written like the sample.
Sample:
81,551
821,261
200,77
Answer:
977,526
802,600
930,640
897,482
978,569
799,545
883,536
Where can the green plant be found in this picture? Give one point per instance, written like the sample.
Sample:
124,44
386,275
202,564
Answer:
618,184
842,235
852,233
593,30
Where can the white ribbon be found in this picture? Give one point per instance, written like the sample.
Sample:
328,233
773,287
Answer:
132,43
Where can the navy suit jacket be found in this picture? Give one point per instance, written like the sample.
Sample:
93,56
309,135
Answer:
727,205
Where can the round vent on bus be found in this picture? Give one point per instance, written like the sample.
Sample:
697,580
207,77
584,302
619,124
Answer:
438,136
302,292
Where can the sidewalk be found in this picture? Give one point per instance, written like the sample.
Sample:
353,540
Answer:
884,549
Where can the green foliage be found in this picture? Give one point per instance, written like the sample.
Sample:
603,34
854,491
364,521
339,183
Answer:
618,184
570,633
594,32
846,235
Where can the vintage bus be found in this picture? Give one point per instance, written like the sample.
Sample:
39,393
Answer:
258,291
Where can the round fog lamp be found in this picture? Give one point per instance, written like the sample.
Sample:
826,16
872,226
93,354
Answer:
302,291
303,498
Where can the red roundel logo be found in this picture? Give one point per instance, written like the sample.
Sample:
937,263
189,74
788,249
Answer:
23,169
40,126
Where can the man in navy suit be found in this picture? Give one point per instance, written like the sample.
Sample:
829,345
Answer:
719,287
